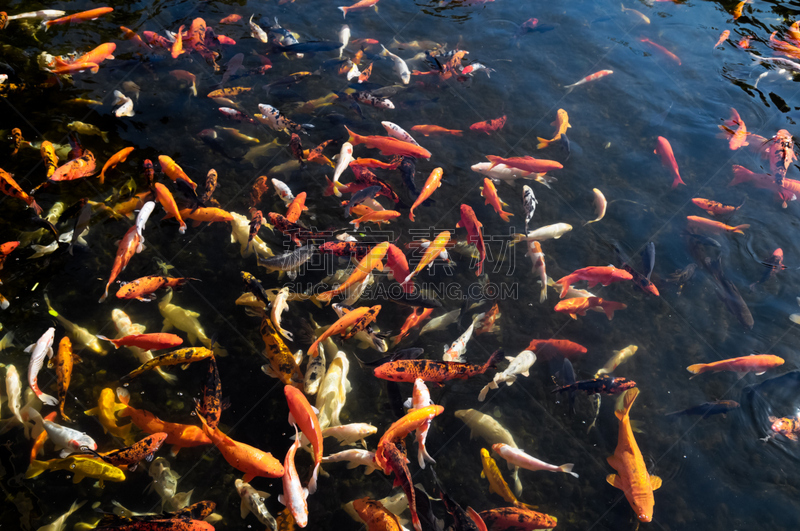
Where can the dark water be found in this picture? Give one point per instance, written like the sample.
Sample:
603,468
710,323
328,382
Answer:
716,472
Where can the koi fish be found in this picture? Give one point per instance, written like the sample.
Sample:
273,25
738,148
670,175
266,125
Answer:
786,426
349,319
76,18
49,158
289,263
547,348
528,164
361,5
723,37
489,192
43,347
594,275
396,462
401,428
616,360
433,371
282,364
78,168
421,397
302,415
428,130
664,150
739,137
715,208
757,363
146,341
131,455
522,518
711,226
708,408
79,467
587,79
474,235
632,477
115,159
395,131
434,249
561,123
376,516
602,385
294,494
364,268
212,404
497,484
253,502
661,49
785,191
389,145
277,121
9,187
489,126
183,357
144,288
243,457
519,458
63,364
433,182
580,305
296,207
65,439
518,365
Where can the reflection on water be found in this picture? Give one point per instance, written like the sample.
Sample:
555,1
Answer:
668,81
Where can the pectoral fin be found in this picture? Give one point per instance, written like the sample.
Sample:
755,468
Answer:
655,482
243,509
615,481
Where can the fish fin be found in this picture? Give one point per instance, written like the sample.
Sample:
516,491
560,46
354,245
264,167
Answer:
627,403
247,478
655,482
92,412
739,228
543,142
243,509
615,481
567,469
696,368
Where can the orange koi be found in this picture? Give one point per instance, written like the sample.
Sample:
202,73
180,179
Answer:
737,11
662,50
489,126
434,249
783,47
231,19
63,363
434,181
97,55
9,187
119,156
519,518
74,68
757,363
723,37
296,207
130,35
784,191
562,124
632,477
376,516
302,414
433,371
164,197
664,150
175,172
376,216
397,263
489,191
76,18
580,305
428,130
131,244
604,275
389,145
177,45
361,5
412,321
207,214
78,168
364,75
243,457
374,163
146,341
178,435
371,261
339,327
711,226
470,223
547,348
528,164
739,138
403,427
744,42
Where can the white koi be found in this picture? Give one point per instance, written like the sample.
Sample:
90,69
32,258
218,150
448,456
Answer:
600,205
283,190
519,458
350,434
400,66
354,458
501,172
537,258
344,38
43,347
279,305
253,502
345,157
518,365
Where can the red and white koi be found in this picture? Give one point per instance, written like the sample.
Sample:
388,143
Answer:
592,77
43,347
420,398
283,190
455,352
294,495
537,257
515,456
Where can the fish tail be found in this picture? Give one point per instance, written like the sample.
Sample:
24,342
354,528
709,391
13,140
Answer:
543,142
627,403
353,138
36,208
35,468
506,216
677,181
697,368
411,214
567,468
169,378
740,175
543,294
112,341
738,229
104,136
124,396
312,484
343,9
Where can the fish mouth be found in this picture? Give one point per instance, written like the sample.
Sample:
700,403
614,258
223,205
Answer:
645,518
